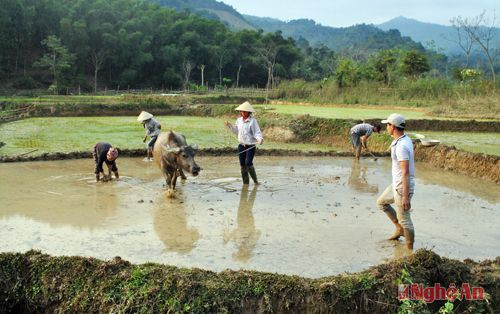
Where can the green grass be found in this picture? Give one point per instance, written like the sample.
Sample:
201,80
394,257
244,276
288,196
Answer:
81,133
49,99
487,143
333,112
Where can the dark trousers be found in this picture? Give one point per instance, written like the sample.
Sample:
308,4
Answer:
151,142
246,158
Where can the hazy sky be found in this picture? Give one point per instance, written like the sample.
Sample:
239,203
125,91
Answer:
349,12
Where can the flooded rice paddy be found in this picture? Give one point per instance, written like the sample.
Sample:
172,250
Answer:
310,216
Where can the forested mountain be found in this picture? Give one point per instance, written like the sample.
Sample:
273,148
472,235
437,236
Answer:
363,38
211,9
121,44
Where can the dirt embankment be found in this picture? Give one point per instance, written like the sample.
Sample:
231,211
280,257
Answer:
449,158
335,133
476,165
226,151
35,282
158,105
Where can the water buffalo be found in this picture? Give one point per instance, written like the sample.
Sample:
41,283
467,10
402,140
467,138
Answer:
173,154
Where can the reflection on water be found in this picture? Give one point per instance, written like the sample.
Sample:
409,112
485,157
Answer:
245,235
357,180
480,188
59,200
171,226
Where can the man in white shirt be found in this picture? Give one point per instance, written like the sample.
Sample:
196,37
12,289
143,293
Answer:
402,188
249,135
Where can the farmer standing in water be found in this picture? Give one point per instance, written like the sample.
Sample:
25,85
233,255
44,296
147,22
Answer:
104,153
249,135
153,129
359,136
401,190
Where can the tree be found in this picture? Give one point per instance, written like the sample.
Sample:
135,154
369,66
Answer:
187,66
97,60
57,58
202,68
268,55
347,73
482,30
384,63
414,63
464,40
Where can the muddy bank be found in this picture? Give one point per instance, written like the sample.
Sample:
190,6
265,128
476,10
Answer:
202,152
305,128
446,157
449,158
35,282
158,105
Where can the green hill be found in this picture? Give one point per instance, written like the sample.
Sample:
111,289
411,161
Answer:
210,9
440,36
363,38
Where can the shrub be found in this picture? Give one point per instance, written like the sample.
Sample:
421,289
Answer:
25,82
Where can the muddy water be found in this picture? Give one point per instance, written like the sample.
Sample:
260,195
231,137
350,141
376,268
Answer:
310,217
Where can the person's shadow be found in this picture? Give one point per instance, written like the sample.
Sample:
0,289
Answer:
171,226
357,180
244,235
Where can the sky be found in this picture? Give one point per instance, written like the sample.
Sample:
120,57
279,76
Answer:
342,13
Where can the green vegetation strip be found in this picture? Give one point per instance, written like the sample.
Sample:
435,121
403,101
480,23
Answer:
35,282
81,133
307,133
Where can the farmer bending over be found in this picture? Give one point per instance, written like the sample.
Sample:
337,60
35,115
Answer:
249,135
153,129
105,153
359,136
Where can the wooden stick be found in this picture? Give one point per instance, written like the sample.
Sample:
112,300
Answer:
28,152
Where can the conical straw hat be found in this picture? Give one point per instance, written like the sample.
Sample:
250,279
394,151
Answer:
246,106
144,116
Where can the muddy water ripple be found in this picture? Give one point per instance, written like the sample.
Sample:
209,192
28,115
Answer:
311,216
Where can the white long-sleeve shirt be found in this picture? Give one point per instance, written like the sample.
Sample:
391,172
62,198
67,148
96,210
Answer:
248,131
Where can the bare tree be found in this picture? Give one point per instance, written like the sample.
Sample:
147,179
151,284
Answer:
482,30
268,55
238,76
202,68
187,67
464,41
97,60
222,59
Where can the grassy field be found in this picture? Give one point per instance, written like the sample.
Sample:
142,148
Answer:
487,143
440,97
81,133
48,99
